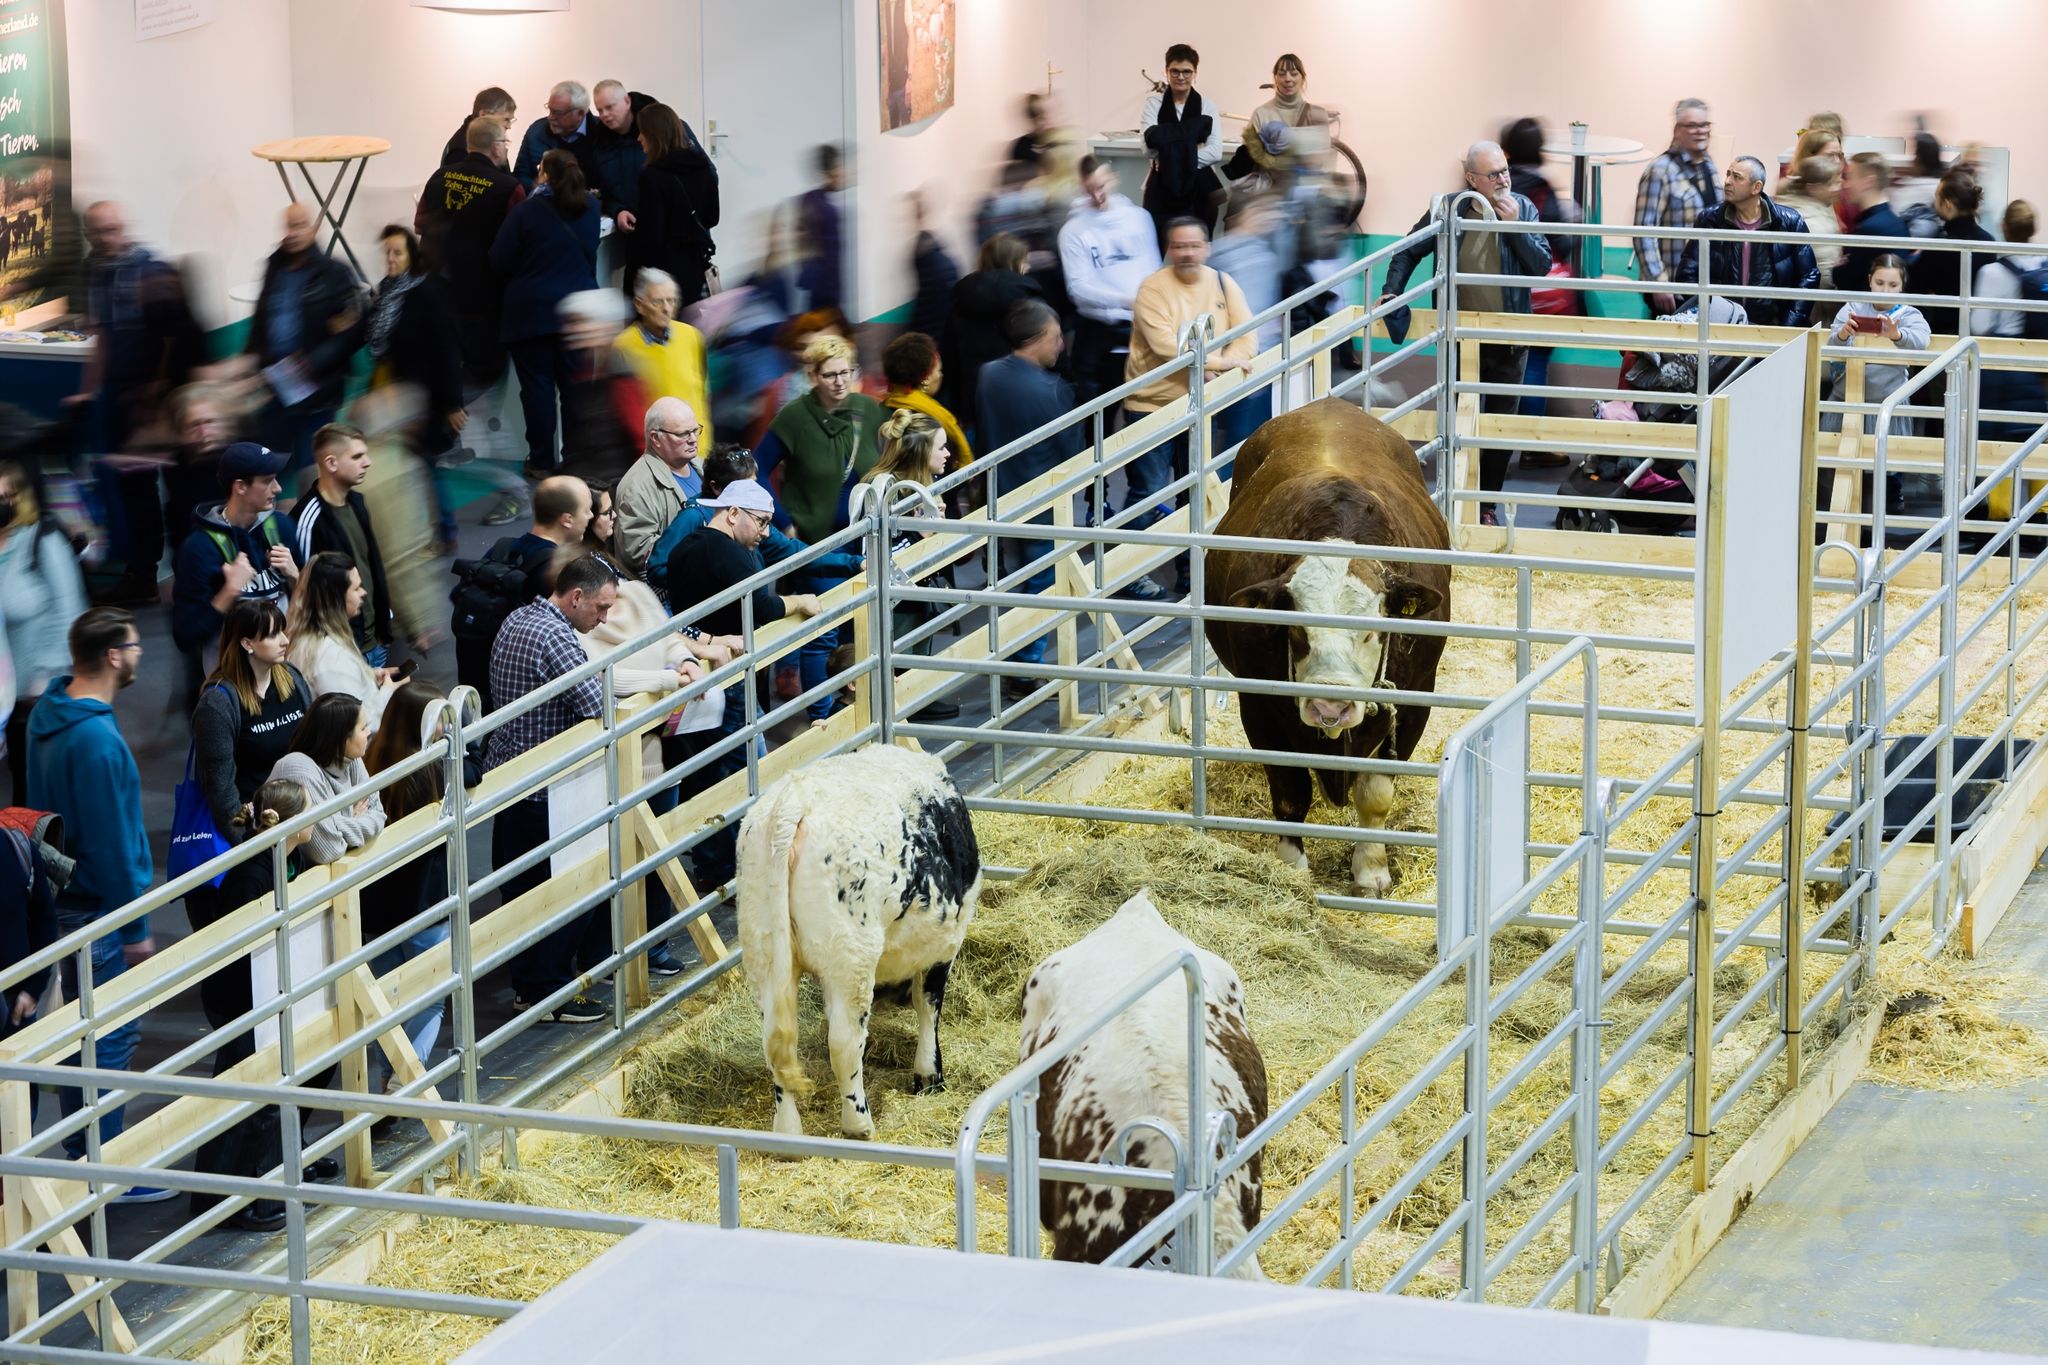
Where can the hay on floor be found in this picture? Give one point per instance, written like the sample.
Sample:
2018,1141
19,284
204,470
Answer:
1313,979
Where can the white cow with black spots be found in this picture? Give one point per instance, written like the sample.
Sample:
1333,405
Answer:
1137,1067
858,870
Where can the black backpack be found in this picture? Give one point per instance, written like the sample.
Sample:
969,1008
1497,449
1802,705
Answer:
2033,277
490,589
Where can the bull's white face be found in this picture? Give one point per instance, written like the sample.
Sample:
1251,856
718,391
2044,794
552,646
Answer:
1335,657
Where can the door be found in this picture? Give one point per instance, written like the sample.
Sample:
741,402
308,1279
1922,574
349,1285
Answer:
775,87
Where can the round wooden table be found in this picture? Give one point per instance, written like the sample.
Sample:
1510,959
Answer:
340,152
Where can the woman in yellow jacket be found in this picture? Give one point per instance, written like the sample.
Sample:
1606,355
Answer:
911,365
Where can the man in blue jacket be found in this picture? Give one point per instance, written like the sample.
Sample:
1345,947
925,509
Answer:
1013,397
567,125
1765,265
80,768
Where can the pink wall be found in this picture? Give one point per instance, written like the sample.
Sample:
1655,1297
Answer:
1418,80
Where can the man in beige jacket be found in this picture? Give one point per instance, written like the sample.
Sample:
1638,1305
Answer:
654,491
1169,299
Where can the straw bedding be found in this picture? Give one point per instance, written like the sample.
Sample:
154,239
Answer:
1314,978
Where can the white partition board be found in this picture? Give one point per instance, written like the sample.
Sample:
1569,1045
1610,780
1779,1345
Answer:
312,951
1762,419
1482,825
684,1293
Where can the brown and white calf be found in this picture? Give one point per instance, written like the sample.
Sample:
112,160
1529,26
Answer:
1137,1067
857,870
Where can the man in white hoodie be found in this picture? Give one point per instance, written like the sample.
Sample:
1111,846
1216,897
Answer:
1107,249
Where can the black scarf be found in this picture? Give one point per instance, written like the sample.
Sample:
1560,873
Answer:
1180,143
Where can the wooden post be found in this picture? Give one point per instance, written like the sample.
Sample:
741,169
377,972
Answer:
1707,800
345,920
398,1049
1847,495
1066,645
1799,704
17,1126
865,694
1465,467
633,900
653,833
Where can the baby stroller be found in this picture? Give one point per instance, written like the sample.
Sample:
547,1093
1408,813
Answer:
1616,489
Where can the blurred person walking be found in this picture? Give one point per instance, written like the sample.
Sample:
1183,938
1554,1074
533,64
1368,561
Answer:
306,329
821,233
546,251
41,594
974,329
1108,247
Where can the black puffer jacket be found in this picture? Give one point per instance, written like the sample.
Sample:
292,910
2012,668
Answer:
1775,265
974,329
671,232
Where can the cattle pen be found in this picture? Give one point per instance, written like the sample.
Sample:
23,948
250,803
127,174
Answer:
1671,841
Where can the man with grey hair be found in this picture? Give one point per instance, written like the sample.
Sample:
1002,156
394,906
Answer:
1482,253
660,483
1675,190
567,125
1764,265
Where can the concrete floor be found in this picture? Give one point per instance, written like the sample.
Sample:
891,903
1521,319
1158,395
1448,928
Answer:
1908,1216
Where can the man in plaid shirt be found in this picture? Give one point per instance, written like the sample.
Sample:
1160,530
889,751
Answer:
1675,190
536,645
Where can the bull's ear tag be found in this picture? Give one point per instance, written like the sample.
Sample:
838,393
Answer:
1408,607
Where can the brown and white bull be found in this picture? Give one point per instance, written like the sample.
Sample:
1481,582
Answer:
858,870
1330,472
1137,1067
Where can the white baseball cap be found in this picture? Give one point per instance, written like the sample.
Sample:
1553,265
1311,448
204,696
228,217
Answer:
746,494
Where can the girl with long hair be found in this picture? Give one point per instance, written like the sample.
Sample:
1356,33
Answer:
327,759
323,639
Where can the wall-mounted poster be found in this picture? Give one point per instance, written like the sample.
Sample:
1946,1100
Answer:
917,60
39,242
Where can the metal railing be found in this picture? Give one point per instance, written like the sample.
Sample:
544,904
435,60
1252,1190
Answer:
1160,664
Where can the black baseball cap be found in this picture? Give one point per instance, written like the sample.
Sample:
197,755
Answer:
249,460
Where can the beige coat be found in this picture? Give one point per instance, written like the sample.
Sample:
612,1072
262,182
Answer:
1163,307
648,500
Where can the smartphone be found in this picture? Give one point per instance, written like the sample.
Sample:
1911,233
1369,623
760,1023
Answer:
407,669
1871,323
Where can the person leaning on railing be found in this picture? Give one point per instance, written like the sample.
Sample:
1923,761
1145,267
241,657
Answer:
1765,265
537,645
326,759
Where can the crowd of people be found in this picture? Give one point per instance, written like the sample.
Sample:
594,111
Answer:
680,438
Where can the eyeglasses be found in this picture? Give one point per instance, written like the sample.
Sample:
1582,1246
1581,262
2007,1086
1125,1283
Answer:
761,519
1503,175
838,376
687,434
1694,127
1180,71
132,644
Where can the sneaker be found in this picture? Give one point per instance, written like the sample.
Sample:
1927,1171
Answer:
662,962
578,1009
1142,589
503,512
144,1194
938,710
1017,689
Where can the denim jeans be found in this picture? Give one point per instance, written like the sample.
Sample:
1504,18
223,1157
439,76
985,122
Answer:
1152,471
1015,555
423,1028
111,1051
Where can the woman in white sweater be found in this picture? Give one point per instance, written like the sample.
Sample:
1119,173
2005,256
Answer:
330,595
327,760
